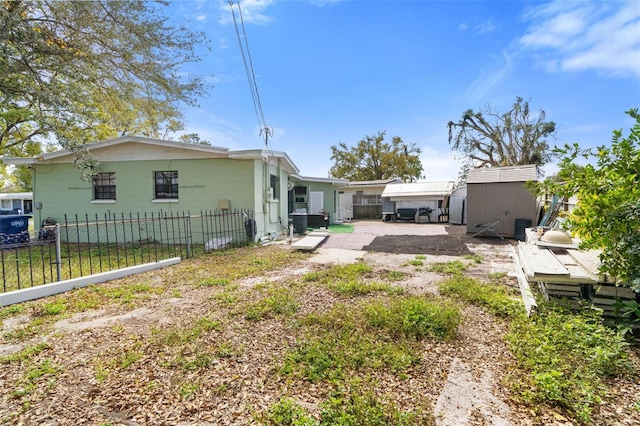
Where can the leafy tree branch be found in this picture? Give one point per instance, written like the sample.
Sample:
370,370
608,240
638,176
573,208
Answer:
608,213
79,71
373,158
489,138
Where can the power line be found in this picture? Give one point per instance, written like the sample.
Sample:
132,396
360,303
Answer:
265,130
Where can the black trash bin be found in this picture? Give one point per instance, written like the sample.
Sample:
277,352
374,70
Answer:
250,228
300,222
521,225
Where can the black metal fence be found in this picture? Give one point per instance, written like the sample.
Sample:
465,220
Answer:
84,245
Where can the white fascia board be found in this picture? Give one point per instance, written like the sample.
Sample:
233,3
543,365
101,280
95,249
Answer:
19,161
117,141
320,180
16,195
263,154
161,142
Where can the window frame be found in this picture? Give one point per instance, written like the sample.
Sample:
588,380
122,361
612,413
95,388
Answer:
274,185
160,182
104,192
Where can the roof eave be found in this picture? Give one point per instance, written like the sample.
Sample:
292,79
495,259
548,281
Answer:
333,181
19,161
262,154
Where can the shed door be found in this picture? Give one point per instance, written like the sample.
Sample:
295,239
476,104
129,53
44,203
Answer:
316,202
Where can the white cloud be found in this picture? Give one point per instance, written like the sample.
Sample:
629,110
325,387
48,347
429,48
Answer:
485,27
253,11
322,3
489,77
579,36
463,26
439,165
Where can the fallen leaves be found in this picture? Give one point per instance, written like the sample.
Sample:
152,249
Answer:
118,370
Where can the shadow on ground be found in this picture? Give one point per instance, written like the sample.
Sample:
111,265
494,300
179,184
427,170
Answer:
455,243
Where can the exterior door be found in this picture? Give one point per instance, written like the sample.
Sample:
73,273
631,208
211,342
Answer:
316,202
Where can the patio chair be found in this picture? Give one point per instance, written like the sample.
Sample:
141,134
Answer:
490,227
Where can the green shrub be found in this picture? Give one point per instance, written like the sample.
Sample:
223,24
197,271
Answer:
568,356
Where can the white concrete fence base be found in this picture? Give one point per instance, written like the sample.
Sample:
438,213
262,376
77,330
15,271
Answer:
31,293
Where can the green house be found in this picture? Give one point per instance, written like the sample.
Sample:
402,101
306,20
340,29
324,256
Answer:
317,198
137,175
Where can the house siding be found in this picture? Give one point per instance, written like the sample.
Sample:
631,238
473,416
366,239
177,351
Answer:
270,213
329,197
330,200
202,183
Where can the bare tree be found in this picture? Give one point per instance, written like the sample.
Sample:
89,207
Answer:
489,138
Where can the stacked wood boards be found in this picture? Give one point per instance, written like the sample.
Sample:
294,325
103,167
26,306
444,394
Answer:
572,275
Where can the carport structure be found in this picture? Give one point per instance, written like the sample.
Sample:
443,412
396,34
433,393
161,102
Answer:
432,196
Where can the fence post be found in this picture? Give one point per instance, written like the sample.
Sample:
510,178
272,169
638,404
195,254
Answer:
188,231
58,254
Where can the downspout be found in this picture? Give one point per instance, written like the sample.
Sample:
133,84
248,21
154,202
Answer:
33,198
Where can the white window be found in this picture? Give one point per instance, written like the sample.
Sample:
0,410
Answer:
274,187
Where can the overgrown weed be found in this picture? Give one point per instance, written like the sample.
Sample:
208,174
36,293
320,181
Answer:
564,357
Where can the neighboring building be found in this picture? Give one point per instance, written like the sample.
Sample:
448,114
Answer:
315,197
139,174
16,203
458,206
362,199
492,191
421,195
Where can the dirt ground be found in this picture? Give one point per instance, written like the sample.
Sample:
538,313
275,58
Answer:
468,396
462,380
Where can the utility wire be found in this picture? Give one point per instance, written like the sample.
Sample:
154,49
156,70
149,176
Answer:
265,130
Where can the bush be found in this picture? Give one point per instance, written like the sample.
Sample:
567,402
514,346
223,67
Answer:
568,356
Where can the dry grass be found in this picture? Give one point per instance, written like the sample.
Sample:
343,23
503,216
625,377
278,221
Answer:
250,336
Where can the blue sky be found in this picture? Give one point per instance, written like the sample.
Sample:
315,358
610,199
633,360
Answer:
335,71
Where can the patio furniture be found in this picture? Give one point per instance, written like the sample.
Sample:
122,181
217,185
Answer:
490,227
408,215
443,216
388,216
424,215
